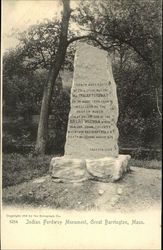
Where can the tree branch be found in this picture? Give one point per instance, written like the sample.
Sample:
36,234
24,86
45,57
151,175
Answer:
88,37
139,53
123,41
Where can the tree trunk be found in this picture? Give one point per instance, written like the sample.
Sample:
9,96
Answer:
42,132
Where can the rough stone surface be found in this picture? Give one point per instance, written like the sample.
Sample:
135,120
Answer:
62,169
102,168
92,131
121,166
91,148
107,168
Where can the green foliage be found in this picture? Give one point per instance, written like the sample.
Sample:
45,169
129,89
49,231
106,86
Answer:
25,69
139,121
22,88
39,44
132,22
126,27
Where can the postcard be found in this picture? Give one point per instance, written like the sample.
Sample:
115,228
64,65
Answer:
81,124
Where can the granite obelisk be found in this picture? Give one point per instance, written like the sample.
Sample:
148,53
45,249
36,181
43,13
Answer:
92,131
91,147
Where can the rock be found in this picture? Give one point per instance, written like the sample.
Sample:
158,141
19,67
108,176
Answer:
76,171
108,167
121,166
91,148
102,168
78,183
57,180
63,168
119,191
92,131
39,180
101,192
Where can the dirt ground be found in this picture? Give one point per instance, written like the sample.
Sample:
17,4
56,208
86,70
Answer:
140,189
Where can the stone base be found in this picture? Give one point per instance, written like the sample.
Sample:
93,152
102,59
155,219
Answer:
64,169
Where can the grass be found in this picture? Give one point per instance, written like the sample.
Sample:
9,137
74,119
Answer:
19,168
153,164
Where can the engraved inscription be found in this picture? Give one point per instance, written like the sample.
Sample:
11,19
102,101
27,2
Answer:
92,130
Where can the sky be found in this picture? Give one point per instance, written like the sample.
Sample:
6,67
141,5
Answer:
20,14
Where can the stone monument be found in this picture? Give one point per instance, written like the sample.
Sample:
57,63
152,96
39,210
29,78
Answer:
91,148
